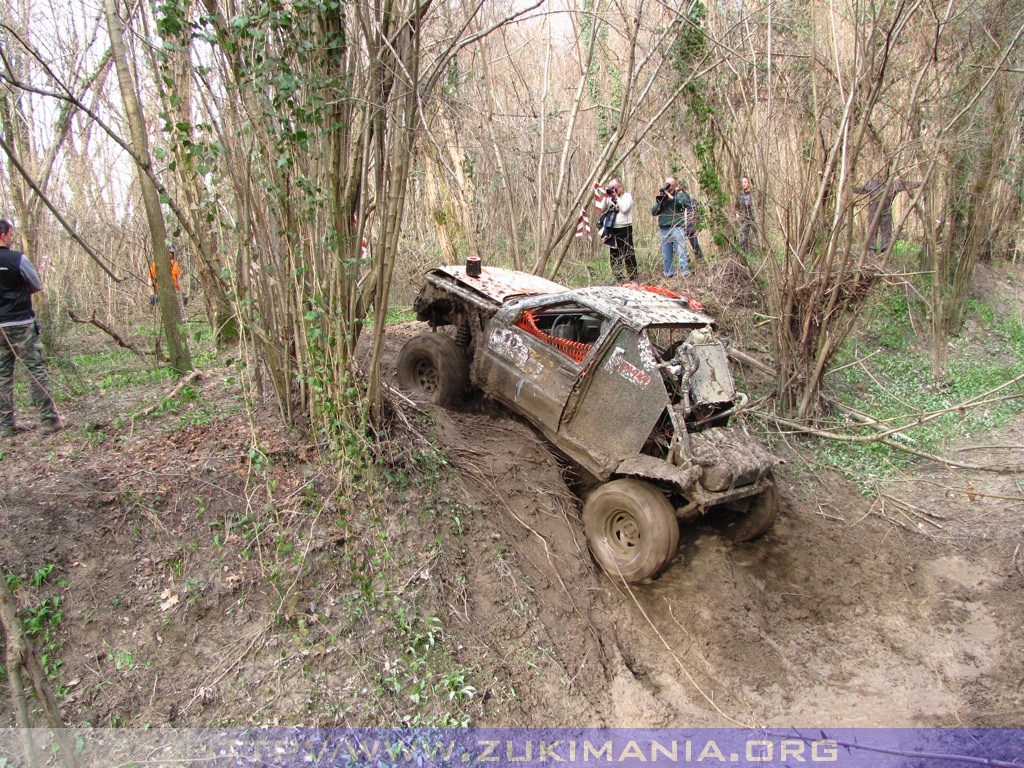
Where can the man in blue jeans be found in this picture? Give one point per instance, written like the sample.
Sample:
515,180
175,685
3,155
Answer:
670,208
19,339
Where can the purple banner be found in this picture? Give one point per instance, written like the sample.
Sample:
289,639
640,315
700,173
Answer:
517,748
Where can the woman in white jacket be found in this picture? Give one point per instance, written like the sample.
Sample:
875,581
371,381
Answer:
622,256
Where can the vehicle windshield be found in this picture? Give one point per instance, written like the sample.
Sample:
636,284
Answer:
666,338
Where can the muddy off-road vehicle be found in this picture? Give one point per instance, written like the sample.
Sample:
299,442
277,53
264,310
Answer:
630,383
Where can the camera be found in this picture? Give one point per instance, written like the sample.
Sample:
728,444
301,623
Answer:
610,191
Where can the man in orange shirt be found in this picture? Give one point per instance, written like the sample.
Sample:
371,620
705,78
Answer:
175,278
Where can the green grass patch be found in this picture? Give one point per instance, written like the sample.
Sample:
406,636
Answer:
41,619
399,314
109,369
136,377
892,380
418,677
187,396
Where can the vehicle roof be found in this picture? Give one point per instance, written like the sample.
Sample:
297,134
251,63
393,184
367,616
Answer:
637,308
642,308
501,284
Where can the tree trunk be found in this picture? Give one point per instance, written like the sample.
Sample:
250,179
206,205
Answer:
170,311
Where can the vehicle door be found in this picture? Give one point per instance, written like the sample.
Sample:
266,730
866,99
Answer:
527,366
619,401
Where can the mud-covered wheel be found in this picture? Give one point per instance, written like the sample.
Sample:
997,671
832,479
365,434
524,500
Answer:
757,519
433,366
631,528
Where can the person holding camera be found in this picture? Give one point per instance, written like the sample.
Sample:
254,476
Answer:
670,207
622,256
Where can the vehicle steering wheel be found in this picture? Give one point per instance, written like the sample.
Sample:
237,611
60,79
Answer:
566,327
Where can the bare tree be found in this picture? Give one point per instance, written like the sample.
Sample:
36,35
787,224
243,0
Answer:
849,98
177,347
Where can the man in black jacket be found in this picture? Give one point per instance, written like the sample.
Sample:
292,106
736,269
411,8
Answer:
19,338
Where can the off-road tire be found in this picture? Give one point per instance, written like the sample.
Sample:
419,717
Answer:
432,366
757,519
632,529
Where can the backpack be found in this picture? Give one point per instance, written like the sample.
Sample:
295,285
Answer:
605,224
692,214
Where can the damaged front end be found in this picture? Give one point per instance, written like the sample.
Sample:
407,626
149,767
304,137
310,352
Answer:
692,447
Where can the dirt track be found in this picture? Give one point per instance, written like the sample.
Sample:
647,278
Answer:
849,612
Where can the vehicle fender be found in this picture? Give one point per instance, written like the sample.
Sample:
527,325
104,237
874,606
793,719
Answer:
659,470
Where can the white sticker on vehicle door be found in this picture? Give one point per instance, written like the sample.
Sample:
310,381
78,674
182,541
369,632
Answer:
647,358
617,363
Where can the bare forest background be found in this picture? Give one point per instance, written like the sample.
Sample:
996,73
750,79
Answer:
270,140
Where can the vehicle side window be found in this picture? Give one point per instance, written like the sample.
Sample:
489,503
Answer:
572,330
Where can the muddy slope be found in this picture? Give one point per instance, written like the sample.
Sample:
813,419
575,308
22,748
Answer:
849,612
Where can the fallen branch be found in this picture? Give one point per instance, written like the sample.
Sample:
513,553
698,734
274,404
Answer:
884,438
827,516
189,379
911,510
863,418
976,402
887,518
398,395
965,448
889,436
985,398
858,361
109,331
970,493
753,362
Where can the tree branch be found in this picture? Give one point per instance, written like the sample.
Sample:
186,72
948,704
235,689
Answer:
53,209
109,331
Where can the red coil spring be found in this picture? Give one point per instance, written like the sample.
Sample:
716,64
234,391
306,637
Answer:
575,350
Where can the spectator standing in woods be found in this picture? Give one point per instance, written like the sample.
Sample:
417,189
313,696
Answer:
670,206
881,192
19,339
622,256
175,278
745,213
